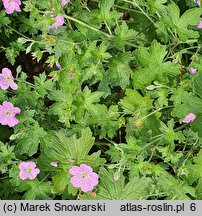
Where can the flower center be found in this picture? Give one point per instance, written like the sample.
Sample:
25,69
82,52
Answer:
84,175
9,79
9,112
29,170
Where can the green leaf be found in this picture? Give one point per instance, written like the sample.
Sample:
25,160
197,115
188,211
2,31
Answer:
175,189
134,102
4,20
196,125
34,189
60,181
181,24
60,147
152,66
157,5
111,188
106,118
42,85
119,71
197,80
105,6
123,35
185,103
6,156
29,139
106,14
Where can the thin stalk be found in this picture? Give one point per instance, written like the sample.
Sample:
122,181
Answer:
133,3
86,25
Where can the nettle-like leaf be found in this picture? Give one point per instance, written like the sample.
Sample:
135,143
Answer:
175,189
123,35
111,188
195,174
60,181
106,13
106,118
7,156
60,147
197,80
84,103
181,24
42,85
152,66
133,102
4,20
157,5
28,140
185,103
34,189
119,71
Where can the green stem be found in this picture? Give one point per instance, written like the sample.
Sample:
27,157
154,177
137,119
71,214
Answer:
133,3
19,33
86,25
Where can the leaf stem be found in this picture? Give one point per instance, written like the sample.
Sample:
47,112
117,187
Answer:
86,25
135,4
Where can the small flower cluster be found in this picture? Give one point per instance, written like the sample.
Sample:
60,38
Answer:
14,5
11,6
59,21
83,176
7,110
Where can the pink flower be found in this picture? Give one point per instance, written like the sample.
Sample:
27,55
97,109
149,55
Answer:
83,177
192,71
6,80
28,170
199,25
70,75
54,164
198,2
11,6
58,65
64,2
59,21
189,118
7,114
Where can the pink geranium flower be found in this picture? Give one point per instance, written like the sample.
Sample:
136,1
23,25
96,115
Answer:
11,6
83,177
189,118
59,21
54,164
58,65
198,2
199,25
6,80
192,71
70,75
64,2
28,170
7,114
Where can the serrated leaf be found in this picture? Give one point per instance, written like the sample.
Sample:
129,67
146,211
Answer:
153,68
60,181
111,188
34,189
28,141
197,80
61,147
133,102
4,20
181,24
123,35
119,71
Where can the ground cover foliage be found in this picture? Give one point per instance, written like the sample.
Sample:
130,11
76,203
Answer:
114,85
